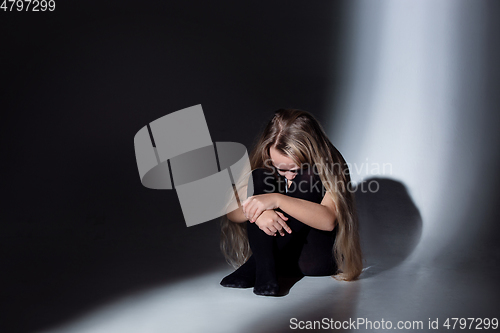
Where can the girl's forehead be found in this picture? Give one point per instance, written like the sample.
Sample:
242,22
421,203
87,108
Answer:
280,160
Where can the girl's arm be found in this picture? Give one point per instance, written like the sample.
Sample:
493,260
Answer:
273,222
319,216
237,216
270,224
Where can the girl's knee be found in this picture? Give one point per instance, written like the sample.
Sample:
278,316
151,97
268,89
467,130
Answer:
263,181
307,187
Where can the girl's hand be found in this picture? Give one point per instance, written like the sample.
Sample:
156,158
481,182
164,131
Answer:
255,205
271,221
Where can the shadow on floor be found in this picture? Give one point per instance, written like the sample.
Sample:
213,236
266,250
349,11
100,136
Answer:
390,224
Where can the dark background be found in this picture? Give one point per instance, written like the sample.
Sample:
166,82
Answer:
77,227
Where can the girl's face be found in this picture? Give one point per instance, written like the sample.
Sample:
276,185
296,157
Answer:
283,164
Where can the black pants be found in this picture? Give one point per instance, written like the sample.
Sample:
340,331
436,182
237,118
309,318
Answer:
306,251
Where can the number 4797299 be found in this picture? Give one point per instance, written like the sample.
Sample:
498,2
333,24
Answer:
28,5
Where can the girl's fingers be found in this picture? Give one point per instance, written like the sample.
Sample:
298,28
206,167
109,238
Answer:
243,208
256,214
249,214
285,226
282,216
251,211
282,222
280,229
272,229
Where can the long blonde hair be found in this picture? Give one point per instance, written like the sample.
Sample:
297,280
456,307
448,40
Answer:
298,135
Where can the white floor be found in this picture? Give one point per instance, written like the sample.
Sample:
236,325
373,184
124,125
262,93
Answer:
410,292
